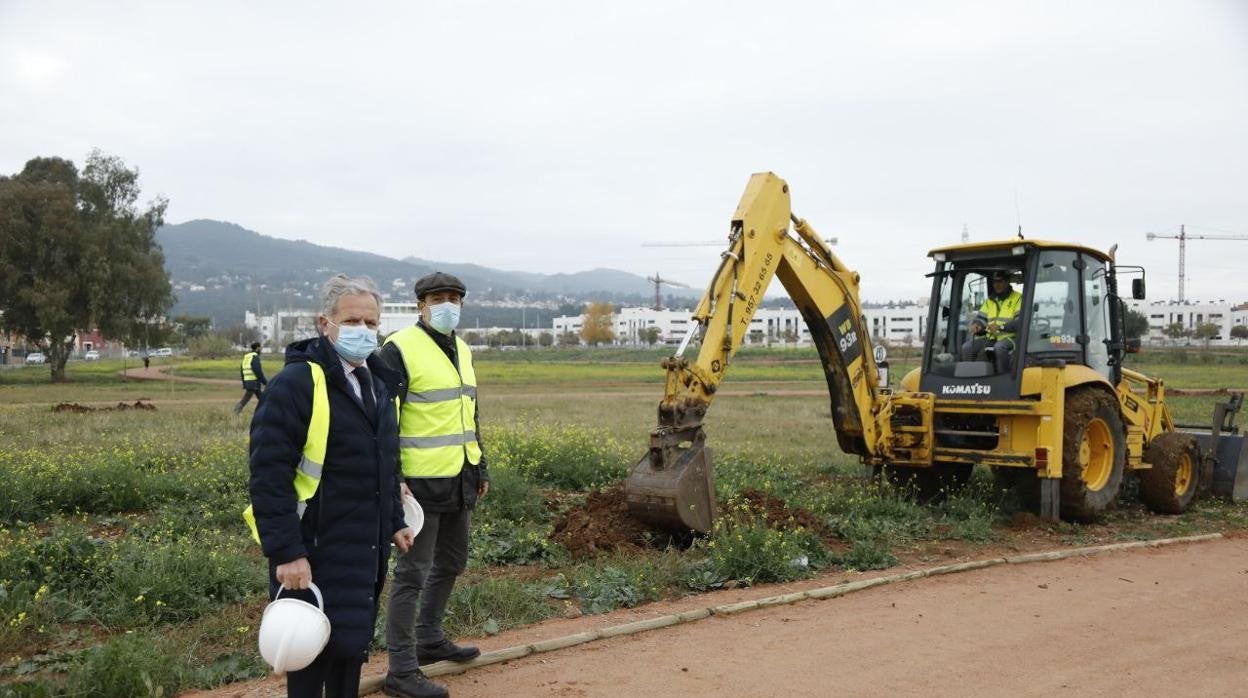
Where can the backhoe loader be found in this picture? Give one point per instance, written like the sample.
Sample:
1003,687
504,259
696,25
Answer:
1057,416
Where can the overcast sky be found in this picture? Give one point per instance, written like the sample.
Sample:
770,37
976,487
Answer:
559,136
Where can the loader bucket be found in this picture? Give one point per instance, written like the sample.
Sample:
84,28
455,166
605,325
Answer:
1230,465
1225,447
672,487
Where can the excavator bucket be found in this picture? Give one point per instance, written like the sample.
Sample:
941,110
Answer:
672,486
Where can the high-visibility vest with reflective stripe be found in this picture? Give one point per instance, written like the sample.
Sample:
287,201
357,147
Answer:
248,374
437,421
308,474
1002,311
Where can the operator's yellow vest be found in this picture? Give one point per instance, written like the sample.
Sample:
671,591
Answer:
248,374
308,474
437,422
1002,311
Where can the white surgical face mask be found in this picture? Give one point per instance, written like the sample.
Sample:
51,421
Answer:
444,317
355,342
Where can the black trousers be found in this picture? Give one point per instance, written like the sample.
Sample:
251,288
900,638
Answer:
247,396
337,678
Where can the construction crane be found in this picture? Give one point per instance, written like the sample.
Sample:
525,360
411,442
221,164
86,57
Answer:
658,282
1183,237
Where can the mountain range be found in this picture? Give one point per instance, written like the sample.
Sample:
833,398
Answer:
221,269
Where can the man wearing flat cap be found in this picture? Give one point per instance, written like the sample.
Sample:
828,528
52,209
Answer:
445,470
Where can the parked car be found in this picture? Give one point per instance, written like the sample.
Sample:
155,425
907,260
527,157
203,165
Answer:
163,351
36,358
92,355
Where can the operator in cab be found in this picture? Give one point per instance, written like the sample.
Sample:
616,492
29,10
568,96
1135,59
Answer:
995,325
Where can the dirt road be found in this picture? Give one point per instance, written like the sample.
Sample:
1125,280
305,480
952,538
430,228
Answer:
1156,622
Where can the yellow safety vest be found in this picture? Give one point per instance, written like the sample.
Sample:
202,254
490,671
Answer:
437,420
1002,311
308,474
248,374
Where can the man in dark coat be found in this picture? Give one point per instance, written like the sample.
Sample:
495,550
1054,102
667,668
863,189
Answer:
341,542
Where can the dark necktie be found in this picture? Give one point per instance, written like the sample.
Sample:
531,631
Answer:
366,390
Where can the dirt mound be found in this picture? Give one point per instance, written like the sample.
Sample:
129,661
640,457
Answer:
121,407
778,515
602,524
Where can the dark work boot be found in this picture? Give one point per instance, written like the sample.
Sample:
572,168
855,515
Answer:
428,654
413,685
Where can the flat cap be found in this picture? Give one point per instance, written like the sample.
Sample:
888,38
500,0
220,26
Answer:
439,281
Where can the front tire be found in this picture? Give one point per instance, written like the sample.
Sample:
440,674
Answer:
1094,454
1170,486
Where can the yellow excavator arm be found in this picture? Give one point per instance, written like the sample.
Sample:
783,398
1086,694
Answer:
672,484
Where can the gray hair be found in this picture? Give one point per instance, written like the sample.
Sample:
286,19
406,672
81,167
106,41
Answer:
340,285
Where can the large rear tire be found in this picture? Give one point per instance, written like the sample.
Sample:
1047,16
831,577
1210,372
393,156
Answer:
931,484
1170,486
1094,453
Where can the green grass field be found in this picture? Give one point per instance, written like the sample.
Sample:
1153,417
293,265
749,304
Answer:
124,564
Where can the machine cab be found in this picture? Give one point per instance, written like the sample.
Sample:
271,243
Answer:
998,308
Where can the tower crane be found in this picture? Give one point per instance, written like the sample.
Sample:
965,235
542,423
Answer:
1183,237
658,282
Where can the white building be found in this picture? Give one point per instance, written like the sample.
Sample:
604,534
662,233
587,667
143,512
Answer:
282,327
286,326
895,324
1191,314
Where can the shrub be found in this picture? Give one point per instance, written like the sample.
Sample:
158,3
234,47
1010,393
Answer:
512,499
128,666
229,668
744,548
969,515
39,688
703,575
67,557
570,458
126,477
178,580
507,544
866,555
211,346
606,589
489,605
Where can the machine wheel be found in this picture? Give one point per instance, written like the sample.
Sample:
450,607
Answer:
931,484
1170,486
1094,454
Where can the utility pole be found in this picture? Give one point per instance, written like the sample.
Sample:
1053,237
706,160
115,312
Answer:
1183,237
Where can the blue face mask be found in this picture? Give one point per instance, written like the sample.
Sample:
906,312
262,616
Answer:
355,342
444,317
